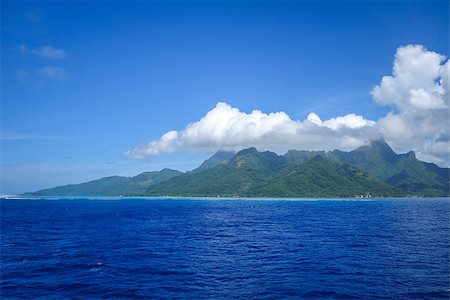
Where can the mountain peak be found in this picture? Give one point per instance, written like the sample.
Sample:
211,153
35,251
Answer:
411,154
218,158
247,151
377,148
224,155
167,170
295,174
379,143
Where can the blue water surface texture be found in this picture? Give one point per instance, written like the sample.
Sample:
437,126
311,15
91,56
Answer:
224,249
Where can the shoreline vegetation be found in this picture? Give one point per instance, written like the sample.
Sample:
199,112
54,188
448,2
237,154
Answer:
181,198
372,171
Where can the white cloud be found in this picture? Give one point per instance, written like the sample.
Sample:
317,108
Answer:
413,81
417,91
351,121
226,128
315,119
52,72
48,52
39,76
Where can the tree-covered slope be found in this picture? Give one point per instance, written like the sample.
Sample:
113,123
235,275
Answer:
219,158
373,169
112,186
418,177
320,177
302,156
376,158
400,170
244,171
264,174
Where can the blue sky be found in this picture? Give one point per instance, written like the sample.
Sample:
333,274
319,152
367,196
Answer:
83,82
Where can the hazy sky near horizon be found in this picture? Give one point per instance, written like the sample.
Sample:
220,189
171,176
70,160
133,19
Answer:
98,88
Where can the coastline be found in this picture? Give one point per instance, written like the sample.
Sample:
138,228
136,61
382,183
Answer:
181,198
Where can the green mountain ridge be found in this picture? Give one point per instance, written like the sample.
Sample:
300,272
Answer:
218,158
403,171
320,177
374,169
265,174
112,185
235,177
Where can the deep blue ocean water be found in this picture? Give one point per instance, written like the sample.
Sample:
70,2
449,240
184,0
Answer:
222,249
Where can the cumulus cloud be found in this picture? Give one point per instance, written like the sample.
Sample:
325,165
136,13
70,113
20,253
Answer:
417,92
351,121
227,128
415,82
48,52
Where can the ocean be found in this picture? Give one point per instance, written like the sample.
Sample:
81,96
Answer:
225,249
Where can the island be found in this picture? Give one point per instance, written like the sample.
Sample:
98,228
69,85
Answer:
373,170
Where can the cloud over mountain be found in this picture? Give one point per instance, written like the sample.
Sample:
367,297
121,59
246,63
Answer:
225,127
417,92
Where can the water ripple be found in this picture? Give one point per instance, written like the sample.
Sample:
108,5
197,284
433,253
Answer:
222,249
